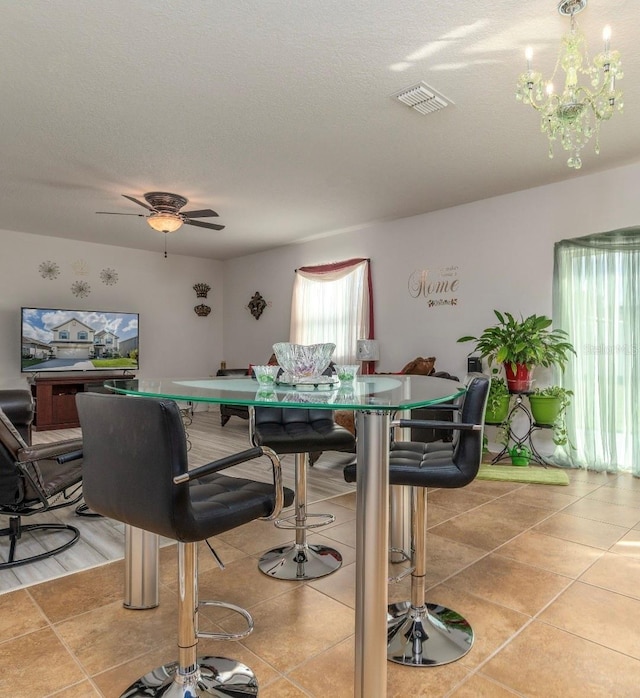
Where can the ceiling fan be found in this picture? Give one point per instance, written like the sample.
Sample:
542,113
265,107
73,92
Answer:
165,216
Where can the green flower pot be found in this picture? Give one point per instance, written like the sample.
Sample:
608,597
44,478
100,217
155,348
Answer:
499,414
520,460
545,409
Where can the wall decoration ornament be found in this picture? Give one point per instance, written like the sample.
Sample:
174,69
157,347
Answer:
109,276
437,288
201,289
202,310
80,267
49,270
80,289
256,305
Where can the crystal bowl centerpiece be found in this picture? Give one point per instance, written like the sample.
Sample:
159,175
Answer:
303,362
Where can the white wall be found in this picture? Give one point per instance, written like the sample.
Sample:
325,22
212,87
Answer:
503,248
174,341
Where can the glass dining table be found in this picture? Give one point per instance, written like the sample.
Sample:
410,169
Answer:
374,399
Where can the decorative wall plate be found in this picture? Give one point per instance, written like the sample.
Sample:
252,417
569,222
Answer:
80,267
81,289
256,305
109,276
49,270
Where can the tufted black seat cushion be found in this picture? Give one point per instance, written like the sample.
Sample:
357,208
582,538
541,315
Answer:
220,503
301,430
448,465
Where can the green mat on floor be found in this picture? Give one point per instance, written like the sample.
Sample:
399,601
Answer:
517,473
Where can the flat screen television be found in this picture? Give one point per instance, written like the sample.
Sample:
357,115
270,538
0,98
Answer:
56,339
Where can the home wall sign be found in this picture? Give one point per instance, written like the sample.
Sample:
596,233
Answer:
438,287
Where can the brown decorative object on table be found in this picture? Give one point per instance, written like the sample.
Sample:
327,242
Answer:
201,290
256,305
202,310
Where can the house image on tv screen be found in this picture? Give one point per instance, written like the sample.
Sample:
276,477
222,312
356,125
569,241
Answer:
54,340
75,340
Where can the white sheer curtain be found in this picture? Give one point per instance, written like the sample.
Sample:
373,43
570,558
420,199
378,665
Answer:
332,303
597,301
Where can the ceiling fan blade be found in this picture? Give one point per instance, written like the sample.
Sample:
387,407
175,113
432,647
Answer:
117,213
202,224
204,213
140,203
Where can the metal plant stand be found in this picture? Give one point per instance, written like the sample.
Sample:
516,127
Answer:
525,439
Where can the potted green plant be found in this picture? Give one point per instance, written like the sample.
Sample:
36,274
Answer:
520,455
520,345
548,409
497,401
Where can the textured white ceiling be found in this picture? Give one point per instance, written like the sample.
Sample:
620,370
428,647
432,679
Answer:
278,114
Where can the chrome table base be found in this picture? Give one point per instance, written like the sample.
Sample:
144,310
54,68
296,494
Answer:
214,676
296,562
426,636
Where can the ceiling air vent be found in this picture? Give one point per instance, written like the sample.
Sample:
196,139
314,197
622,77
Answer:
422,98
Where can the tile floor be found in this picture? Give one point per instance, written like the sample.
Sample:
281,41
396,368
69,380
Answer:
547,576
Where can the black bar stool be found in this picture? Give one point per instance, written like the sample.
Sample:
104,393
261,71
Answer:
135,471
300,431
421,633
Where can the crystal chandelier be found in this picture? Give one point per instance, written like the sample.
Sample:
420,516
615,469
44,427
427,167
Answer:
574,115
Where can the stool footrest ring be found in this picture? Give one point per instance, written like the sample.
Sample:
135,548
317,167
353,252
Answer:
227,636
290,522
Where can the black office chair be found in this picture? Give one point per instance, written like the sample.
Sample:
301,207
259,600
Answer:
421,633
135,471
299,431
35,479
18,405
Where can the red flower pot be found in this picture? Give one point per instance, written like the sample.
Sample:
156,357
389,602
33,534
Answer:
520,380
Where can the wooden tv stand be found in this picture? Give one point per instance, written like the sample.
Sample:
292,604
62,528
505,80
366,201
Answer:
55,397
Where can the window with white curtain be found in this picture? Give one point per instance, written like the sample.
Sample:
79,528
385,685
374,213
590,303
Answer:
333,303
597,301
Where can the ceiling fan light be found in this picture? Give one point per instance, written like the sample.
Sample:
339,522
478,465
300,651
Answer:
164,222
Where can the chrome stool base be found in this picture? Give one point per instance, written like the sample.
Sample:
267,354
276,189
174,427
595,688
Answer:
426,636
296,562
214,676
